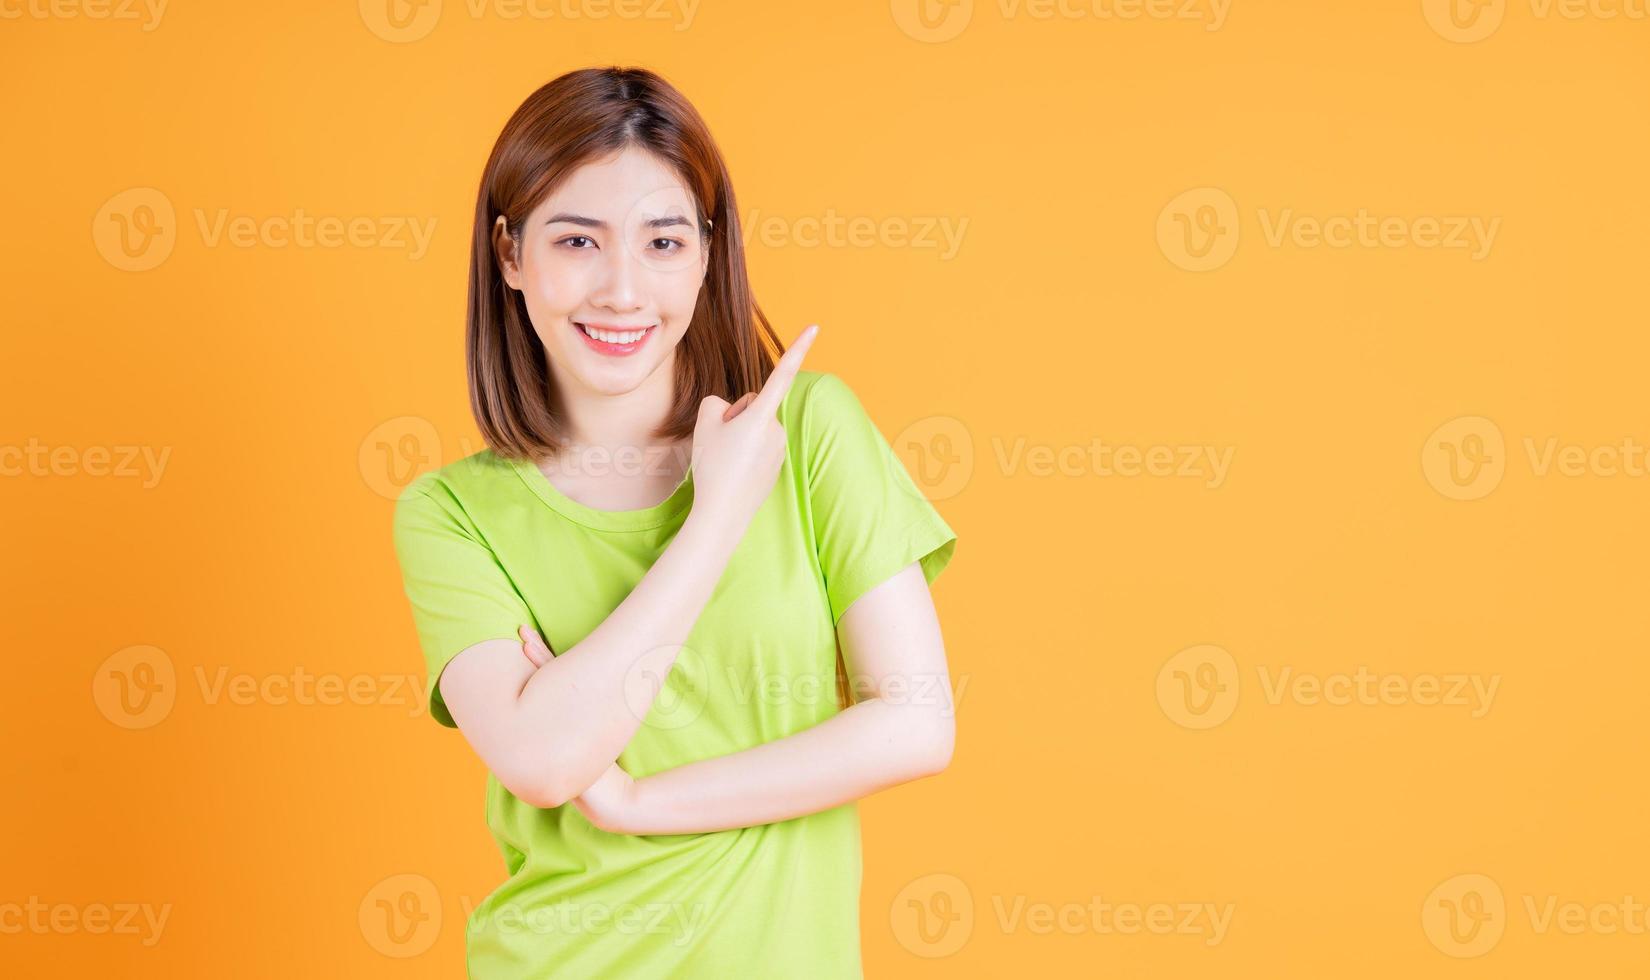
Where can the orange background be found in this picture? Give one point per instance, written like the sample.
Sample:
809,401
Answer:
294,387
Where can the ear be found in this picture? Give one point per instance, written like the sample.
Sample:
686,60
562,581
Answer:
505,248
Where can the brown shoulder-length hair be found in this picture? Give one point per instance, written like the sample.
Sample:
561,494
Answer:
586,115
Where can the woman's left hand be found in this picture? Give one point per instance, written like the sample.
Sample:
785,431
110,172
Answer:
610,802
533,646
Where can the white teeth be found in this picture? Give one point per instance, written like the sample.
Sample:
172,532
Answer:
612,336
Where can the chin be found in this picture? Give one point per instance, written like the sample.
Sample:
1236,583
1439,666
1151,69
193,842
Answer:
619,382
619,377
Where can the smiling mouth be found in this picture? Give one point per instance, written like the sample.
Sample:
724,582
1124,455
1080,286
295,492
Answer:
612,334
614,341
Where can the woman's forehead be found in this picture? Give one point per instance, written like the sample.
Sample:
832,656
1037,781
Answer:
630,186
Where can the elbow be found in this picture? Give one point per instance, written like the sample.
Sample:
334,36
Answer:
548,794
940,761
536,790
557,779
545,797
540,782
939,739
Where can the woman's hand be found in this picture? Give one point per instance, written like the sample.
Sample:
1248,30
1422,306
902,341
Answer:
610,802
533,646
739,448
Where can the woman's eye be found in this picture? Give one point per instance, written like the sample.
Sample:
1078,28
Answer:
671,241
574,238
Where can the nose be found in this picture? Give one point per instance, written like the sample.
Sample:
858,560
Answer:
619,286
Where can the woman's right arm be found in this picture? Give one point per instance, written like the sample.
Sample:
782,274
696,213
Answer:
548,733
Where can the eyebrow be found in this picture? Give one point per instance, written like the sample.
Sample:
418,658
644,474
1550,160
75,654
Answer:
578,219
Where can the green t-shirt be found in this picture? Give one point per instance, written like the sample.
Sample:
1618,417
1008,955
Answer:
487,544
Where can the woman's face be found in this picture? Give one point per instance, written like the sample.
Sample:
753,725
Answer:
615,249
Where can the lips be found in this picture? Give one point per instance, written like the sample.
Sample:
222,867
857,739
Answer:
609,347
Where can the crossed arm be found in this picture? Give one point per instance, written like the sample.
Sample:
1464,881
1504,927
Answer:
901,728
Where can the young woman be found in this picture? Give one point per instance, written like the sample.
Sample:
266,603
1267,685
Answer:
673,788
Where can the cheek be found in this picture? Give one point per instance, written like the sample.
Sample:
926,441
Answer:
553,287
679,292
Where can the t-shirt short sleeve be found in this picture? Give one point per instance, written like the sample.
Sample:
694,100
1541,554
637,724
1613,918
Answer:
870,520
459,592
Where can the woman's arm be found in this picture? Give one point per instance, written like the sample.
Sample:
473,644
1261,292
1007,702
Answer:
903,730
550,734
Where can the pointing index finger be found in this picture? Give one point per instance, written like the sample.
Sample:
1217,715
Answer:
778,384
